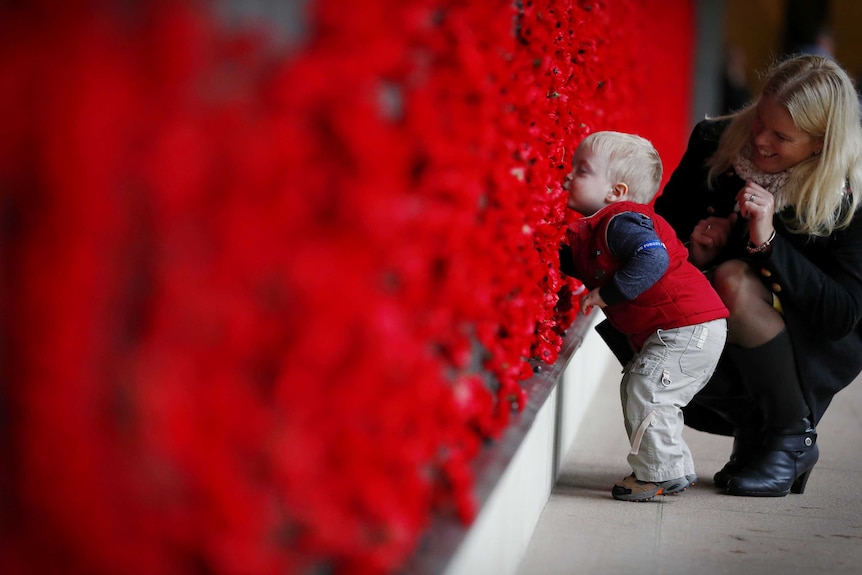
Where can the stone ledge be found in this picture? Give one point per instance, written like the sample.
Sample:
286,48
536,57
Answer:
515,474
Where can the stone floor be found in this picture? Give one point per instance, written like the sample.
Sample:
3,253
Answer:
583,530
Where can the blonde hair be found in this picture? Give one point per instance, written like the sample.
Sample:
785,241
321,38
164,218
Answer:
821,99
632,160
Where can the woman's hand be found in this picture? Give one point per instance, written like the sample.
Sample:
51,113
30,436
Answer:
591,299
757,205
708,238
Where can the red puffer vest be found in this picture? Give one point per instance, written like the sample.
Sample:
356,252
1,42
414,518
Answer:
682,296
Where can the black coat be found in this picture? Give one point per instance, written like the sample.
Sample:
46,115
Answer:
818,280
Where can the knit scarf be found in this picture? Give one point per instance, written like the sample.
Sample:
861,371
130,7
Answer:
773,183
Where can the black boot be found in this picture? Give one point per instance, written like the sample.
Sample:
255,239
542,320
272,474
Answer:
789,450
782,466
747,442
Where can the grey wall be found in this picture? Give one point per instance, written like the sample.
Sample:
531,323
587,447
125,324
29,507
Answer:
708,59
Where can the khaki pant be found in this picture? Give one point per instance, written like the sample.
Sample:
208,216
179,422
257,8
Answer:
672,366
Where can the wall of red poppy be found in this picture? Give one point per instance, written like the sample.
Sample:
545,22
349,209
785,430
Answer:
262,304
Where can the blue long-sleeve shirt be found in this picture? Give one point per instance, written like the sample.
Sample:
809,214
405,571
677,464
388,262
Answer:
633,240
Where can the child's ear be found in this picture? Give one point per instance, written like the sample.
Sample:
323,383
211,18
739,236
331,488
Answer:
619,192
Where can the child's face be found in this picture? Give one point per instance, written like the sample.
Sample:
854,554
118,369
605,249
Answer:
588,184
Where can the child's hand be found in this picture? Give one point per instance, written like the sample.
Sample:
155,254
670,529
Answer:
591,299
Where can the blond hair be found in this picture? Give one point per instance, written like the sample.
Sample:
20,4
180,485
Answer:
821,99
632,160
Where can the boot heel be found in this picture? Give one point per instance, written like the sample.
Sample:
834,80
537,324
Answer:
798,486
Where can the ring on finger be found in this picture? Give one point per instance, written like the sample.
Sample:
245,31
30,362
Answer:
751,198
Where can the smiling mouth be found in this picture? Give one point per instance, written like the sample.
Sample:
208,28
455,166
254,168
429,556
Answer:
764,154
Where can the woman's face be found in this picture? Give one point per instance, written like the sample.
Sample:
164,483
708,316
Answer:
778,143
